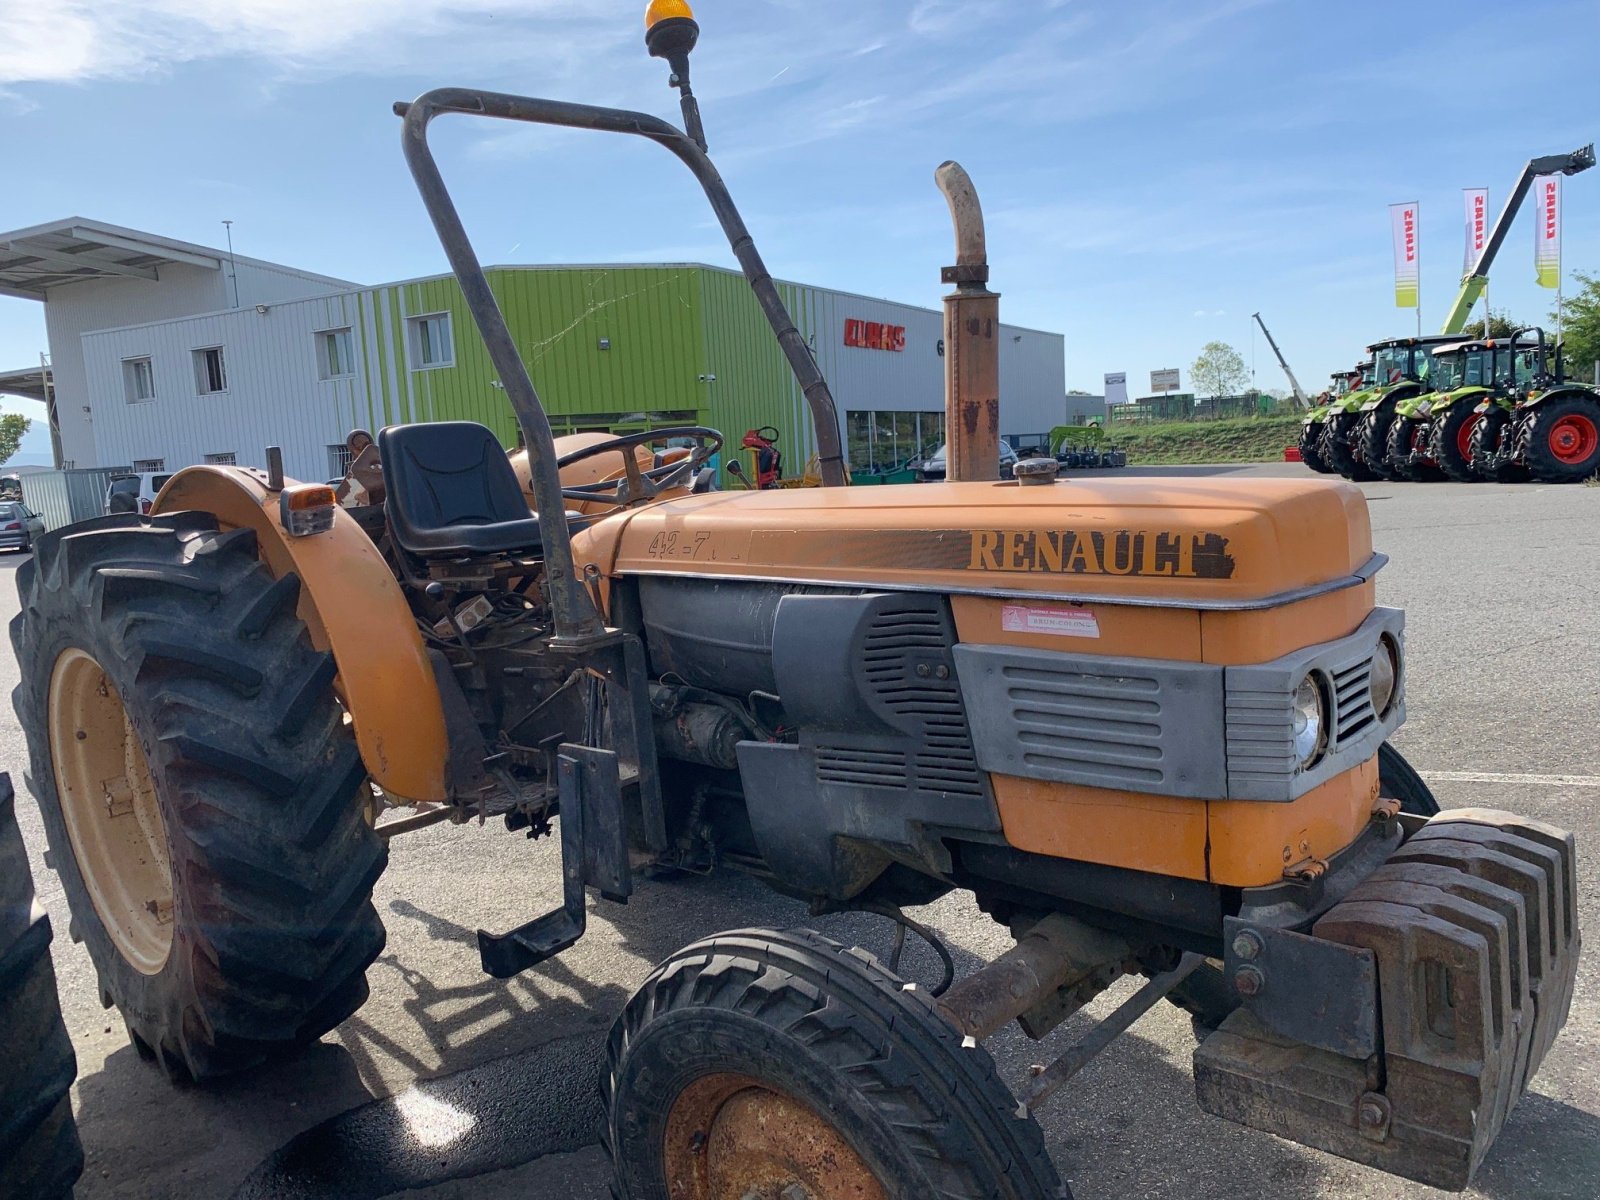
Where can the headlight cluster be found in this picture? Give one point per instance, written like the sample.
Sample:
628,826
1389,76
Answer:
1312,706
1310,720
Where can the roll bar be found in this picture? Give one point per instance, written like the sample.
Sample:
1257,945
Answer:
573,611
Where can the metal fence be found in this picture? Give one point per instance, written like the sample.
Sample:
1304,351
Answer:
62,497
1186,406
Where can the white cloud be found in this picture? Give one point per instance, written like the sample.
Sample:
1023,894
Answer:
62,41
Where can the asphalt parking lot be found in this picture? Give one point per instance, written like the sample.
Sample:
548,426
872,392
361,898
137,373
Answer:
451,1084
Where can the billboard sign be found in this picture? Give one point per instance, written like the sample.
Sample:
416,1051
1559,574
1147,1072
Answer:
1164,381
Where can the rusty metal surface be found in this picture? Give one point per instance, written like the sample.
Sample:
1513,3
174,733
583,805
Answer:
730,1138
1057,953
1310,989
1473,927
971,346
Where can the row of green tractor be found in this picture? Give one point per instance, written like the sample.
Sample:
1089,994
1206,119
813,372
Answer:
1440,407
1448,406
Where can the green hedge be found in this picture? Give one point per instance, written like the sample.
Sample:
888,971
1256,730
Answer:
1245,439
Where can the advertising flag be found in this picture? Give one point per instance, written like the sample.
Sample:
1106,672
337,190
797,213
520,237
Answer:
1547,230
1403,217
1477,201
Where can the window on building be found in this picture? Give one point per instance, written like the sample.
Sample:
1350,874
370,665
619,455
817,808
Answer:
145,466
335,354
430,341
138,379
883,440
209,373
226,458
338,461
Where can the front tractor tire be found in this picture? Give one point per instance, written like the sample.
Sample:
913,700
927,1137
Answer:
1561,439
1337,452
1371,442
1452,442
757,1063
1405,440
201,792
1491,438
1311,448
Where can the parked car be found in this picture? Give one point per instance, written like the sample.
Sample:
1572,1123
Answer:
19,525
134,493
932,468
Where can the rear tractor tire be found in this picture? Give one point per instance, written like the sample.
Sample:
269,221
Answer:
1561,440
1336,450
1206,995
1452,442
758,1063
202,796
40,1156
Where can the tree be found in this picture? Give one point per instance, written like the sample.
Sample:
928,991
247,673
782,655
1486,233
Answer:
1580,326
13,427
1219,371
1501,325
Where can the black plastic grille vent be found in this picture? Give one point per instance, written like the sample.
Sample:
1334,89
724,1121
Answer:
906,667
1352,699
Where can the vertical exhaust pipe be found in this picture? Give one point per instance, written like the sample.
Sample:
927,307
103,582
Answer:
971,339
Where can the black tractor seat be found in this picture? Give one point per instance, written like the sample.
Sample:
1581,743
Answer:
451,492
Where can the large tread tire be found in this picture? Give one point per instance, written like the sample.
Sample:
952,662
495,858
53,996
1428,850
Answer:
1539,432
1487,440
1336,450
257,778
1371,442
1403,433
1206,995
831,1027
1311,448
40,1156
1452,434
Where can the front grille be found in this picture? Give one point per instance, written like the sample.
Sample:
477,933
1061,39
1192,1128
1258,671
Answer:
1139,725
1352,701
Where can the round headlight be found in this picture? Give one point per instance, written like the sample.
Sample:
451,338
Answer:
1310,721
1385,674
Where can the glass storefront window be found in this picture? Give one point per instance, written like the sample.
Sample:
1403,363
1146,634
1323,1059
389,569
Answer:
881,441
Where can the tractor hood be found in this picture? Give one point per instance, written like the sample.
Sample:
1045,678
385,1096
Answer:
1205,543
1435,401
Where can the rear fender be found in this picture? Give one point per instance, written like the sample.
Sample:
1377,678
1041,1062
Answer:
353,606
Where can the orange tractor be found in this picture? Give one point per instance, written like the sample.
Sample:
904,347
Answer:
1143,724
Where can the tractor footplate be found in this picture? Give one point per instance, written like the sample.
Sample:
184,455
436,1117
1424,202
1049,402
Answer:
1473,924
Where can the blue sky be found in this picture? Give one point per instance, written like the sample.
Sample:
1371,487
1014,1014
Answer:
1153,171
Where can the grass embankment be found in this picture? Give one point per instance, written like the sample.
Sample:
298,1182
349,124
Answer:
1242,440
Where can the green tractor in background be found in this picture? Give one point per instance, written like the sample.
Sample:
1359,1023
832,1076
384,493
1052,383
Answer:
1356,429
1543,426
1430,435
1340,385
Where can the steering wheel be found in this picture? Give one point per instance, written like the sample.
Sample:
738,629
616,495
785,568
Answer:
639,484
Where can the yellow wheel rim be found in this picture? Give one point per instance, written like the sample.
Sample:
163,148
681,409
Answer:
730,1137
109,805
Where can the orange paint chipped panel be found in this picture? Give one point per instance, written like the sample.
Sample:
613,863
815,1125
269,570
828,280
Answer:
1161,834
1112,629
1251,842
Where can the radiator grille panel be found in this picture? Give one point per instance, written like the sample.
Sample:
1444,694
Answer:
1131,724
